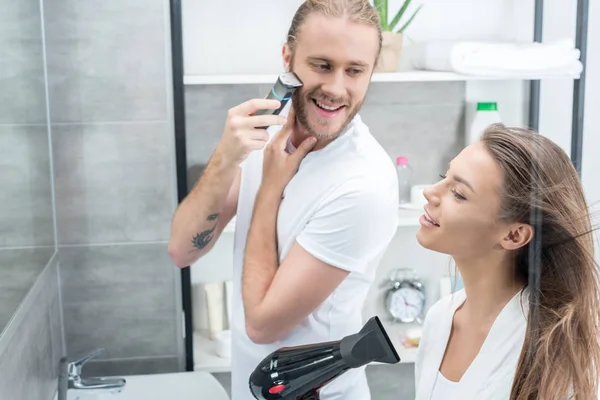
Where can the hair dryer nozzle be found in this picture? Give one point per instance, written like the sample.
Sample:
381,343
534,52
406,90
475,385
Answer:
372,343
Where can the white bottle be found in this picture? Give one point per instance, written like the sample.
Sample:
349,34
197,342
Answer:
487,114
404,179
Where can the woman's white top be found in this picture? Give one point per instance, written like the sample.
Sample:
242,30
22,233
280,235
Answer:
490,375
445,389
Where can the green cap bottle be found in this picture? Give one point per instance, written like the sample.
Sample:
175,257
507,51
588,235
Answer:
487,106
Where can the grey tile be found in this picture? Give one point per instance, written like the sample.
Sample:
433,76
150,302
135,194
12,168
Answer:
26,196
134,366
106,60
120,298
429,135
391,382
54,317
11,300
114,182
415,93
25,366
19,270
206,111
22,98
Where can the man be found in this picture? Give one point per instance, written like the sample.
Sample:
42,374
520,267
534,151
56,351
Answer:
316,206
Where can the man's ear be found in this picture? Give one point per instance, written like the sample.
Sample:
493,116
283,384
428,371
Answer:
518,235
286,54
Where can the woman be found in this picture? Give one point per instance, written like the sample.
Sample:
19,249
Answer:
525,326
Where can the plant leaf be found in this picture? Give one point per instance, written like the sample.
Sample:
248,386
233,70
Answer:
410,20
399,14
385,10
381,7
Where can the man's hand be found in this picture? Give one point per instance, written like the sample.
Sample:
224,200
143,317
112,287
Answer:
279,167
241,136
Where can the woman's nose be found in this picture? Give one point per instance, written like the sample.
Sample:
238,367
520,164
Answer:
430,195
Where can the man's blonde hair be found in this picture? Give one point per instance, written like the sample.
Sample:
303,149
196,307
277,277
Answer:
360,11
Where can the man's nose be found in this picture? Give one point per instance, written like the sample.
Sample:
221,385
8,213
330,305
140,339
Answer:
334,85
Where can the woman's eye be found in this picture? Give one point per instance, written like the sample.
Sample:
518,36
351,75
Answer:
454,192
458,195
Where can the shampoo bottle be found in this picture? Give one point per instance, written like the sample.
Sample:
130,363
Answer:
487,114
404,172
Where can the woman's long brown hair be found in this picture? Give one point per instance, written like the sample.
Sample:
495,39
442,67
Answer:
560,358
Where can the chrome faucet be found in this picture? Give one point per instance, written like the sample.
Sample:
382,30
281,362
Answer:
70,379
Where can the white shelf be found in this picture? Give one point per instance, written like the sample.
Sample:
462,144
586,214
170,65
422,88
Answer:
406,218
205,357
407,76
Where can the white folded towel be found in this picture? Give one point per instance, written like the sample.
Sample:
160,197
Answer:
501,59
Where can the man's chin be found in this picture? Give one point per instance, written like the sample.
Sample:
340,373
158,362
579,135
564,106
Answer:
328,130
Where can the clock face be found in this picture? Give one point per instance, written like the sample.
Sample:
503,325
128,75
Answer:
405,304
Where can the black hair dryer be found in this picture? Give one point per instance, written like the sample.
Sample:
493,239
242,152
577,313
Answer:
298,372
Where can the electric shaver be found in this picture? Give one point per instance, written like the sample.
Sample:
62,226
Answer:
282,90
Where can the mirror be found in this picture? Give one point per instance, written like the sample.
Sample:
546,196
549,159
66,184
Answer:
27,238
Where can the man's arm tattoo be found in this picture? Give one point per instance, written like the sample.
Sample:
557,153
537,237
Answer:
202,239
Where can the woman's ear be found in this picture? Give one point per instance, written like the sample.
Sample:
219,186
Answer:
518,236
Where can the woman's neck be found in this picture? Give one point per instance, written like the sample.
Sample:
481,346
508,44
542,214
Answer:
490,283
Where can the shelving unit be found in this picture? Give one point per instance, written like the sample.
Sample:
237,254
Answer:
207,360
406,76
199,347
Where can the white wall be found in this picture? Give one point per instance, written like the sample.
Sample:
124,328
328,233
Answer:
591,161
591,140
214,45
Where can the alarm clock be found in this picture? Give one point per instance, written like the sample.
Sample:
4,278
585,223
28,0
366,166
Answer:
405,296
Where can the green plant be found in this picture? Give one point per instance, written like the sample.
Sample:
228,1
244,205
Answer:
382,9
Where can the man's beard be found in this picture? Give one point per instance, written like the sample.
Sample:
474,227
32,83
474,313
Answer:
301,100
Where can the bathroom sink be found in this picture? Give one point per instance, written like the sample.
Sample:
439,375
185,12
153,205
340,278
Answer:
180,385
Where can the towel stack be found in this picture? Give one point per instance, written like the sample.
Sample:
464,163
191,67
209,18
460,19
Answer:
498,59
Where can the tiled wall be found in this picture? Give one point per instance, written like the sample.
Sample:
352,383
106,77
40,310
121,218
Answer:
112,140
423,121
31,338
32,345
25,198
26,222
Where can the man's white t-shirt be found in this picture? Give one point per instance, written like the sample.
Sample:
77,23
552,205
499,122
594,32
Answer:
342,207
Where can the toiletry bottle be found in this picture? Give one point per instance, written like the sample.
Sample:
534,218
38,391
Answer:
487,114
404,172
